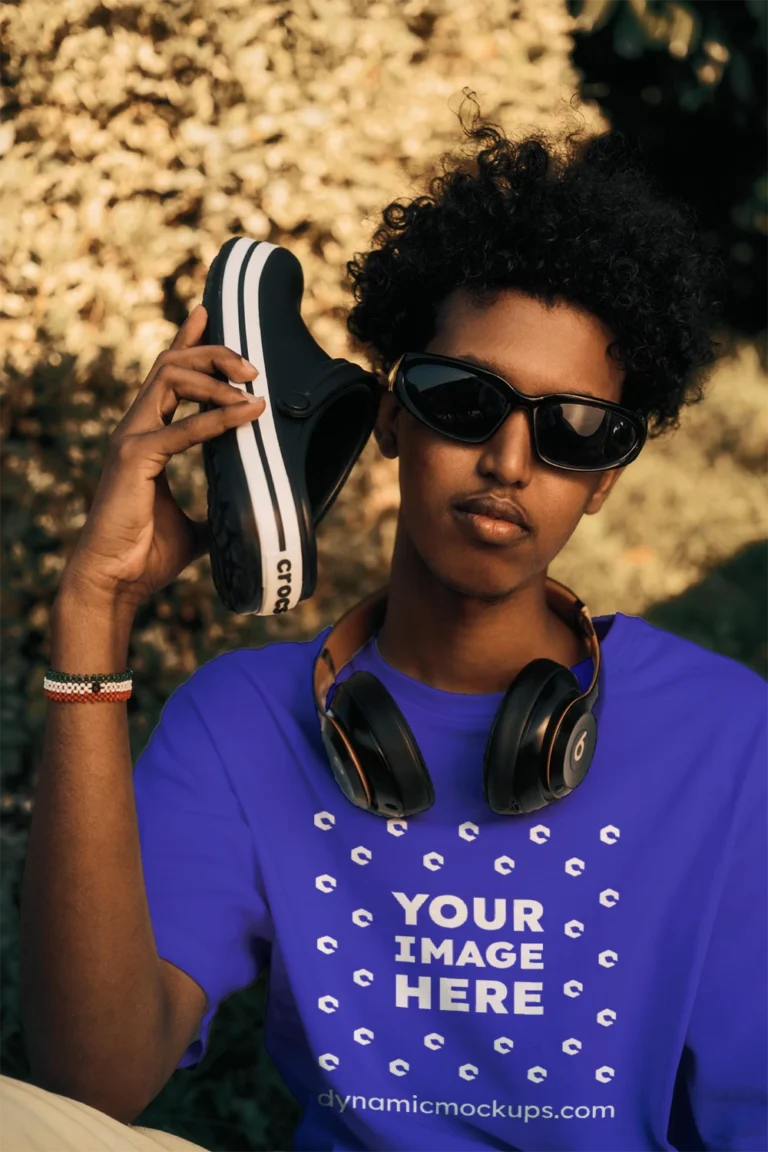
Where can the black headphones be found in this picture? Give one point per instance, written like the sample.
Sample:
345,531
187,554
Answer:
539,748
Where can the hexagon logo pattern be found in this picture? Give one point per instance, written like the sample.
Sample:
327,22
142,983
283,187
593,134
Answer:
324,821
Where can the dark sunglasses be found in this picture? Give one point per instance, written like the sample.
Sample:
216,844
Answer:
470,404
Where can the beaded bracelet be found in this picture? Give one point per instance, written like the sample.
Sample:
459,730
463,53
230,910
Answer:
69,688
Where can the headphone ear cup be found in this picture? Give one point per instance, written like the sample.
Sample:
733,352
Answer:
516,752
385,748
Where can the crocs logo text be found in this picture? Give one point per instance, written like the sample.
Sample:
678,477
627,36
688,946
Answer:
284,591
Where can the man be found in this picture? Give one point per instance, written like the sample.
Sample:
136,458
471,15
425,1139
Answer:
588,973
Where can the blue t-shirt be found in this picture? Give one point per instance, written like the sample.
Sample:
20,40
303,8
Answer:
590,976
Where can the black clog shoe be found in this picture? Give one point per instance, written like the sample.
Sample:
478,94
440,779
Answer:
270,482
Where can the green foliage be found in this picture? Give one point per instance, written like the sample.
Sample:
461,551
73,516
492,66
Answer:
727,611
687,82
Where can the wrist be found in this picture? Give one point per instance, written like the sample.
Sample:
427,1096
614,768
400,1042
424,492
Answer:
79,595
90,635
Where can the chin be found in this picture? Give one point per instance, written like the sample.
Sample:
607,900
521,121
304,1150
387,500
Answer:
476,584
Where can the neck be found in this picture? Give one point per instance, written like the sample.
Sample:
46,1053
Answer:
458,643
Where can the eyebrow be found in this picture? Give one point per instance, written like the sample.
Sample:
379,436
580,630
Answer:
497,369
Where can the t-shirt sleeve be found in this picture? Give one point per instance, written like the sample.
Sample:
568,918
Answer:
209,913
727,1042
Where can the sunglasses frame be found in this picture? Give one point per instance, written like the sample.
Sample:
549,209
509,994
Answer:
396,385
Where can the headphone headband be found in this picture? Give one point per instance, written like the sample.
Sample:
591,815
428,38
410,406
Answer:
359,623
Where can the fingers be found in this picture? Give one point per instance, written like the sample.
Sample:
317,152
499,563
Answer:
176,380
162,443
211,357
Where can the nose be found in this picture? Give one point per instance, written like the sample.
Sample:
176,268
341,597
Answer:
508,456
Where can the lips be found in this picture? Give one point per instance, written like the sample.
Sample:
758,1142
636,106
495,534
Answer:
495,509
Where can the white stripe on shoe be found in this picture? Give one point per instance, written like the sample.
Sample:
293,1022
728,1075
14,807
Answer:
280,558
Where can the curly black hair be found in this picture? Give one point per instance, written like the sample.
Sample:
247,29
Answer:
584,224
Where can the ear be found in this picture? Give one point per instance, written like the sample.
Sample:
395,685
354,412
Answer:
600,495
385,429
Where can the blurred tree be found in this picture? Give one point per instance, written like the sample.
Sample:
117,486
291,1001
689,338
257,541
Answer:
687,83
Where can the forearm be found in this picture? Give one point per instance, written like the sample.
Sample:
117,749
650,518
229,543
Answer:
92,994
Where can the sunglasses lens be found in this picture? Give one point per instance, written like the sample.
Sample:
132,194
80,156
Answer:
454,402
583,435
